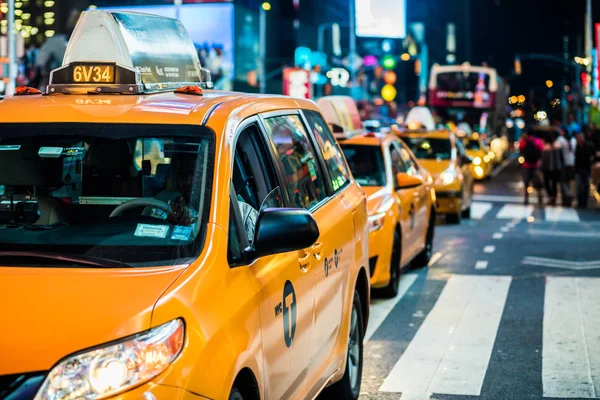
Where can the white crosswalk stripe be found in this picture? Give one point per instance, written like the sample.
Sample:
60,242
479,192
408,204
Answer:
511,211
480,209
515,211
571,349
451,351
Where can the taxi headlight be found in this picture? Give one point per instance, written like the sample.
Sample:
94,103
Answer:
375,221
477,161
486,159
111,369
445,178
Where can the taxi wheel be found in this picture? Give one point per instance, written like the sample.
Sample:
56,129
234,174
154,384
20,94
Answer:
423,258
348,388
467,213
391,290
235,394
453,218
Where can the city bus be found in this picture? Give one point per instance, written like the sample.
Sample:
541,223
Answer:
473,94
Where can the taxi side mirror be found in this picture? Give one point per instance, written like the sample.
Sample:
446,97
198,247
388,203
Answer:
280,230
406,181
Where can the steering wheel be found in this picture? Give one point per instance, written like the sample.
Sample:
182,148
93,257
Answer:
143,202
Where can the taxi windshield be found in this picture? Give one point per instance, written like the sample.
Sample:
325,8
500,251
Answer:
472,144
135,194
366,164
430,149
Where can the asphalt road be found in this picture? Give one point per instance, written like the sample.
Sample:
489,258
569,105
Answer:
510,309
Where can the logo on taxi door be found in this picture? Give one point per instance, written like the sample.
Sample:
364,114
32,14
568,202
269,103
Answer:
289,313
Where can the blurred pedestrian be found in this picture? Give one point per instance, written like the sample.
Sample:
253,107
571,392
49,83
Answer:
531,151
584,157
567,146
551,165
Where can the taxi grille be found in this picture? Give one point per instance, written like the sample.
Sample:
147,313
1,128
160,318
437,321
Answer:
21,386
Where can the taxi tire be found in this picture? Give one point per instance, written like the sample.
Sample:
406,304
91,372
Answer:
467,213
235,394
391,290
454,218
422,260
342,389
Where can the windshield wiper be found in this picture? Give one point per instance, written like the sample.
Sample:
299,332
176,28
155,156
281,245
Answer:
66,258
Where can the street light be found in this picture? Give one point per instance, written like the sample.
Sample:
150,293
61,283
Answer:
265,7
549,83
12,49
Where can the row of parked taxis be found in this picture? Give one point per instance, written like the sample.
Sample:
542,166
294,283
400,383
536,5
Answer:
162,240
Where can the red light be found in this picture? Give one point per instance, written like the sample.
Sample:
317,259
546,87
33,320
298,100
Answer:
193,90
26,90
66,201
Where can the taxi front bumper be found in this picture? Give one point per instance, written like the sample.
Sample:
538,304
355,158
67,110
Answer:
448,202
147,391
380,255
153,391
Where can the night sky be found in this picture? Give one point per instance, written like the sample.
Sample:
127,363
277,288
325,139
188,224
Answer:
502,28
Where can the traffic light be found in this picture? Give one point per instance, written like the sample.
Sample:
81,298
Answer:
388,62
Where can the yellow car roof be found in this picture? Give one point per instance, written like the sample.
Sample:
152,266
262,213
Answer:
158,108
366,139
438,134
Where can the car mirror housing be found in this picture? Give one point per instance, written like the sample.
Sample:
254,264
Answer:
406,181
280,230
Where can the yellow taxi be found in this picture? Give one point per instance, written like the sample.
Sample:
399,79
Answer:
445,157
162,240
400,196
483,157
400,202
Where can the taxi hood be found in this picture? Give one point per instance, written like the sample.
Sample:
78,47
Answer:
434,167
50,313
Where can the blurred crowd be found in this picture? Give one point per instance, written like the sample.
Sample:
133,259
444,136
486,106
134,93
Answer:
36,64
562,161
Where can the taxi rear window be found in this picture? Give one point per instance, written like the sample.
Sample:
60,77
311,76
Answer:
366,164
135,194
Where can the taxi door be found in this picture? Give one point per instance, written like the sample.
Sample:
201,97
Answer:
420,197
408,207
334,251
287,286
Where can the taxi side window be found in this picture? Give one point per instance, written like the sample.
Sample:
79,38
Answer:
330,150
397,163
461,151
411,166
298,160
253,182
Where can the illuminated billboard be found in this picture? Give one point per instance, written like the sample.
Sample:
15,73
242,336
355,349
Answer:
381,18
213,37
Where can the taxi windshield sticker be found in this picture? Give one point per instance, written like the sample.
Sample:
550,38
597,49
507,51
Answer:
181,233
154,231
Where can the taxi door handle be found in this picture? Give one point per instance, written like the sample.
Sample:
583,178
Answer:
304,260
317,250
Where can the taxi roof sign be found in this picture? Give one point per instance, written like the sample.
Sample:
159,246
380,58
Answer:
124,52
